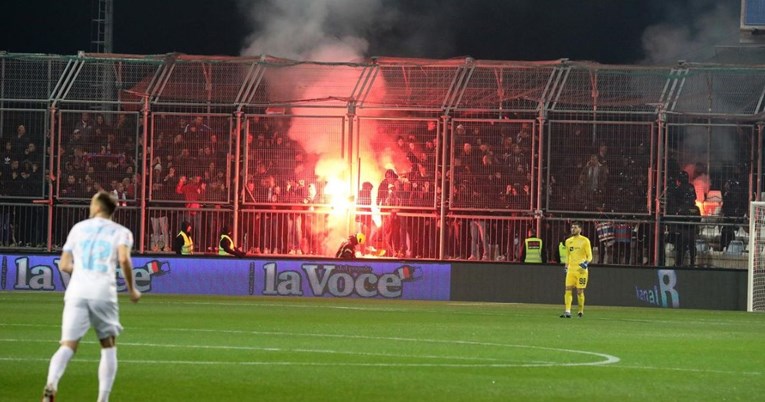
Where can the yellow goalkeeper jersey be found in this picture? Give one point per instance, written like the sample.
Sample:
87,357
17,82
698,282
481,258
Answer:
579,250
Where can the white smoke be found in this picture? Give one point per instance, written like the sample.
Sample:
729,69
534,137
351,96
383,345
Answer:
692,32
316,30
332,31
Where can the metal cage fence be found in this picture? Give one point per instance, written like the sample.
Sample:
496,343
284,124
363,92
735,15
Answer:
717,159
599,167
97,151
493,164
397,162
163,225
191,158
23,225
294,160
614,241
672,114
24,153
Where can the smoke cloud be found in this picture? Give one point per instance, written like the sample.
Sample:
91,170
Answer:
691,31
316,30
320,31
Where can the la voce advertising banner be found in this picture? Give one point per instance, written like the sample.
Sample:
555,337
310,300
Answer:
216,276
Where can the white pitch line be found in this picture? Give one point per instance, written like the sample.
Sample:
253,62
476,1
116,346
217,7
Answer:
335,364
288,363
608,359
267,349
30,325
687,370
319,364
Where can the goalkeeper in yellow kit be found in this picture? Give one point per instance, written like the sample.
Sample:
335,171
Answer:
577,273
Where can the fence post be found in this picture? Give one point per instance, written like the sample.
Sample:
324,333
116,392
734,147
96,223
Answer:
144,174
442,166
347,153
540,171
758,185
237,169
51,163
660,188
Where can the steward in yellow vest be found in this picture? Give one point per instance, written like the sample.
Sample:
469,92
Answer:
183,243
226,244
532,250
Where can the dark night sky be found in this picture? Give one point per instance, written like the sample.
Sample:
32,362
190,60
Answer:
607,31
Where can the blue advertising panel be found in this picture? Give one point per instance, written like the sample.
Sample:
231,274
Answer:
752,13
240,277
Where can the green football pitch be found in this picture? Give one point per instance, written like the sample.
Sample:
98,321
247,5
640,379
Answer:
201,348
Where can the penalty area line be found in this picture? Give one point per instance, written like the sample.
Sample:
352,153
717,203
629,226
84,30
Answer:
371,365
607,359
288,350
306,363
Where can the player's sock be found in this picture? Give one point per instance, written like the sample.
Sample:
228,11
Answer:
58,365
107,370
568,297
580,299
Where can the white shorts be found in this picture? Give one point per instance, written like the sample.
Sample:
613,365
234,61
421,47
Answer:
80,314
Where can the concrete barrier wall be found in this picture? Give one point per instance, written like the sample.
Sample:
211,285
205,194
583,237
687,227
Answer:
693,288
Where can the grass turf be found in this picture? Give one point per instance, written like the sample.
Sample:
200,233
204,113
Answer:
179,348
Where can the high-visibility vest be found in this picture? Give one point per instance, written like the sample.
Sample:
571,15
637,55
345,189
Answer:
533,247
188,243
221,251
563,252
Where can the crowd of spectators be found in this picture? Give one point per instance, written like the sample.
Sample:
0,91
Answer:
281,176
190,160
606,172
22,170
22,174
490,172
98,154
492,166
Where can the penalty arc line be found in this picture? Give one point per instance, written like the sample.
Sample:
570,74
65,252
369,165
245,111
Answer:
608,359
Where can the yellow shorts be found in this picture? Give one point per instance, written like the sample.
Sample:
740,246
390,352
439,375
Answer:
577,278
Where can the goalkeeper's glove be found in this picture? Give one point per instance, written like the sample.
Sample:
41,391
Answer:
584,264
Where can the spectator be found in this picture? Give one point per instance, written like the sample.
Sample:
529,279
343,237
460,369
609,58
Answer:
101,123
347,250
84,127
295,194
364,223
197,126
735,203
313,223
192,191
6,156
523,138
124,128
69,189
478,240
684,195
592,182
20,143
160,233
